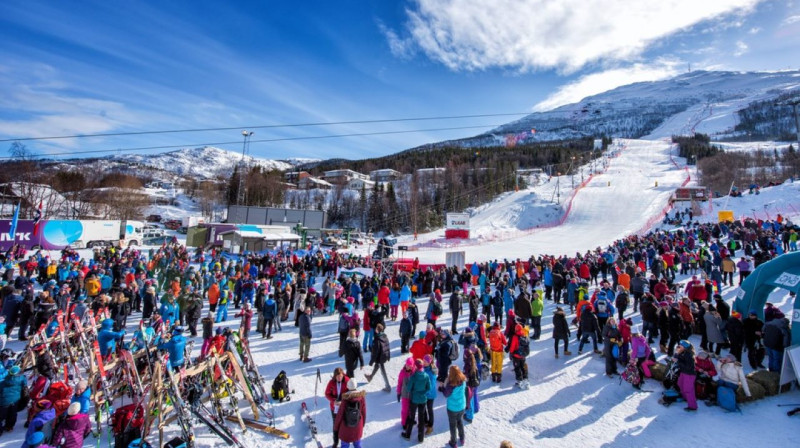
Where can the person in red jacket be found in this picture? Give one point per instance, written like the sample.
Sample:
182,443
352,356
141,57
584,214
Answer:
336,387
383,298
420,347
517,358
660,289
353,398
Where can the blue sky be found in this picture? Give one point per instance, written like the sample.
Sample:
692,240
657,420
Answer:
119,66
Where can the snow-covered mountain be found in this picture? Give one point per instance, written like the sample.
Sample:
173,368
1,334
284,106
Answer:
700,101
204,162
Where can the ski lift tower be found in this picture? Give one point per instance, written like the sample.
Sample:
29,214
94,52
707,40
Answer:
243,165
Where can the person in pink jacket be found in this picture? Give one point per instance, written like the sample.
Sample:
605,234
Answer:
405,373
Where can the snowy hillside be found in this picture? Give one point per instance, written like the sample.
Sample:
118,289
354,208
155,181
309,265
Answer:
699,101
205,162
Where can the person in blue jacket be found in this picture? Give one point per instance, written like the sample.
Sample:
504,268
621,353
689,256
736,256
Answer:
270,310
603,308
170,309
355,293
107,337
10,393
222,305
83,396
431,372
175,347
44,413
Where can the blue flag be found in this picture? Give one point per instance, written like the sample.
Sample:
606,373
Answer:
12,232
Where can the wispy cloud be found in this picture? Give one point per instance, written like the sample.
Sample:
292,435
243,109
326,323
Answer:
791,19
527,35
600,82
741,49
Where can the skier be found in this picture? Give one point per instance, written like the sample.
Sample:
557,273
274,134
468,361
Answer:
269,312
224,299
352,353
305,334
405,333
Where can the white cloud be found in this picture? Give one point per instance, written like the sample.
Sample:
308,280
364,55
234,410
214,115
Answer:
790,20
600,82
543,34
741,48
754,30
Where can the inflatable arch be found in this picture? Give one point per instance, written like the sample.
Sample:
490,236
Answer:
781,272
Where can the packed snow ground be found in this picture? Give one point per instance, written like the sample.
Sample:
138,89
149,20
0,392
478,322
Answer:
570,402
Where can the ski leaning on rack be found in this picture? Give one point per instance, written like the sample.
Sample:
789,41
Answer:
181,410
224,433
312,425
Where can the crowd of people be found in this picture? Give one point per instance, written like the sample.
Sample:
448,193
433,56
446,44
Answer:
604,290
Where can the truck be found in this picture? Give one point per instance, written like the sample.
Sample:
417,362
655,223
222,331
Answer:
56,234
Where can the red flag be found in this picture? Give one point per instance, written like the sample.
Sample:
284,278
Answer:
37,219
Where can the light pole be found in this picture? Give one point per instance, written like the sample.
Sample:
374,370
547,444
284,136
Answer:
572,172
240,194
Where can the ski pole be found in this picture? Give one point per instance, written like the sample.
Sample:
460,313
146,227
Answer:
783,405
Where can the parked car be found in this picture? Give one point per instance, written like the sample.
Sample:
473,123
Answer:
183,230
157,240
172,224
154,218
153,233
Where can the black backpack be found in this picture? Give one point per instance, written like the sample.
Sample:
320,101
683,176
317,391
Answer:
524,348
437,308
352,414
280,387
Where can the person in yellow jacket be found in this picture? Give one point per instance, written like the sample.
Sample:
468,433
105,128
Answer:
93,286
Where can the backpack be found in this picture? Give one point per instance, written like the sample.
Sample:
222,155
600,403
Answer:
280,387
600,305
453,354
437,308
344,325
524,348
352,414
126,418
631,374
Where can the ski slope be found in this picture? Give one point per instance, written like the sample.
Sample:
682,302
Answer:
612,204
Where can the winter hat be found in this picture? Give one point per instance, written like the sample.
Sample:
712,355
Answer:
703,354
419,363
422,334
35,439
44,404
663,304
518,328
736,314
14,370
427,359
410,362
685,344
482,318
753,312
82,386
352,384
73,409
559,309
